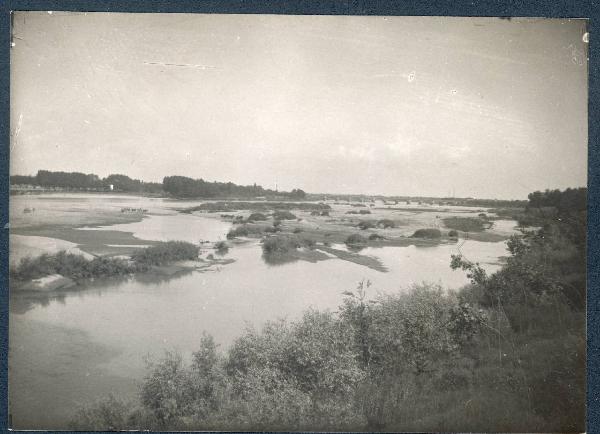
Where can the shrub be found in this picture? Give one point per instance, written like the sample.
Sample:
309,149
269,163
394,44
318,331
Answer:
375,237
364,211
165,252
356,240
239,231
427,233
283,215
464,224
280,244
257,217
366,224
324,213
272,229
453,234
386,223
298,230
221,246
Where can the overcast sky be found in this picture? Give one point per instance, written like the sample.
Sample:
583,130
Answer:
377,105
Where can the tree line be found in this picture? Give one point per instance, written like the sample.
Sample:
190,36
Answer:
178,186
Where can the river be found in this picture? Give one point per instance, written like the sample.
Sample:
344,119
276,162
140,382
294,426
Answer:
77,347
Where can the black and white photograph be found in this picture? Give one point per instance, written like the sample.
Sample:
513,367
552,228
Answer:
256,222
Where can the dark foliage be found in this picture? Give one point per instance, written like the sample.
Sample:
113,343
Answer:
427,233
465,224
356,240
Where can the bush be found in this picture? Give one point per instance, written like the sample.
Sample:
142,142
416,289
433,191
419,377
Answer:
427,233
364,211
356,240
257,217
375,237
453,234
283,215
298,230
166,252
366,224
221,247
239,231
280,244
386,223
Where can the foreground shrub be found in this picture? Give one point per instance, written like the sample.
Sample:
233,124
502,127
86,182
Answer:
427,233
375,237
453,234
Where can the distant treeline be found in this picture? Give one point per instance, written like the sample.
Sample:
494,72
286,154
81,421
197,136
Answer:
181,186
82,181
178,186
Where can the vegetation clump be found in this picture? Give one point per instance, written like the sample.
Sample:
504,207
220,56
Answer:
266,206
221,247
375,237
453,234
386,223
245,230
166,252
430,233
239,231
465,224
356,240
283,215
77,267
280,244
71,265
366,224
256,217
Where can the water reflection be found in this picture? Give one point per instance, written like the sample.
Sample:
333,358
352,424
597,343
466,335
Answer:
23,301
276,259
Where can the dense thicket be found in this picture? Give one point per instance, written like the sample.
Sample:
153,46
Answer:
506,353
